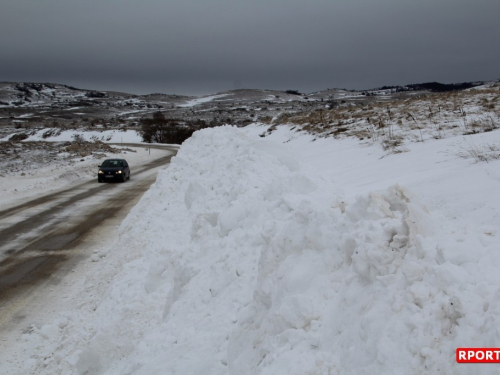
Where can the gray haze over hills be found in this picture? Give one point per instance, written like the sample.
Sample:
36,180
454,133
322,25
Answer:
197,47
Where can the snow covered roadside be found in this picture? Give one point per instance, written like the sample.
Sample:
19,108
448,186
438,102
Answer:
61,174
247,261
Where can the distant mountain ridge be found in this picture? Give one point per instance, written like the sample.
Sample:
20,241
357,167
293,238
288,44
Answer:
27,90
30,104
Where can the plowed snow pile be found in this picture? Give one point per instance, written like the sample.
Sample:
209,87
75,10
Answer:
246,262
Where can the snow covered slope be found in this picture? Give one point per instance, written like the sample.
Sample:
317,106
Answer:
254,256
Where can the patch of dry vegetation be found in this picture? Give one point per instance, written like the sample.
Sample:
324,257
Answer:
415,118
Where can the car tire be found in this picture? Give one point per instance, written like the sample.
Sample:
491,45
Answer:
124,178
99,180
128,176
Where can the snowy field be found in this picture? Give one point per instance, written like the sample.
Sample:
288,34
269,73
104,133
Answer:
206,99
284,255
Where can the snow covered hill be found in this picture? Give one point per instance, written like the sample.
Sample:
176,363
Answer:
284,255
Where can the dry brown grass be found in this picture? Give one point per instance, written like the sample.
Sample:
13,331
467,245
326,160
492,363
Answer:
414,118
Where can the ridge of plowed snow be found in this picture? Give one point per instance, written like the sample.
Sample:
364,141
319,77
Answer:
246,262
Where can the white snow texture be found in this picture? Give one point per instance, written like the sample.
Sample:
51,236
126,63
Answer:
247,263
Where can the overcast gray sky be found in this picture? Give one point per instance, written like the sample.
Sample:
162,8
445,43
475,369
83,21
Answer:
204,46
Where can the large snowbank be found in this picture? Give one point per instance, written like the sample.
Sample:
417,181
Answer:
246,262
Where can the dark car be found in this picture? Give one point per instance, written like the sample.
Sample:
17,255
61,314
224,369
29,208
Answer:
113,169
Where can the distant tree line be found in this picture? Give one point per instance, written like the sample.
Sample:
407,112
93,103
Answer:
433,86
95,94
160,129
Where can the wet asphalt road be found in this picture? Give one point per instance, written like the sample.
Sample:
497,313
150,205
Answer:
39,238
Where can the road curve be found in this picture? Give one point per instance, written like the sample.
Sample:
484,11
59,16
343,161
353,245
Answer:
40,238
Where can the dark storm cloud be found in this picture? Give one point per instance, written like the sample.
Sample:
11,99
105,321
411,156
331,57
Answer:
205,46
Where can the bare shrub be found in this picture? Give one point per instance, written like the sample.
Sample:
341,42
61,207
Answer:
78,138
18,137
162,130
479,152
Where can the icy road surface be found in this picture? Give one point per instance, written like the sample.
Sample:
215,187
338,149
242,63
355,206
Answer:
43,239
